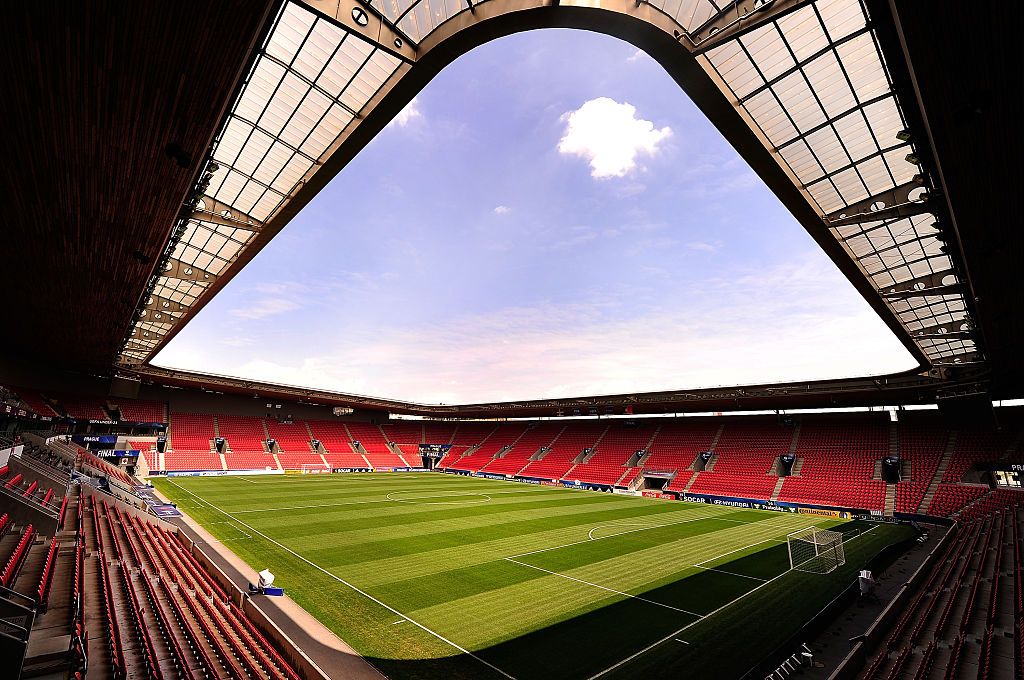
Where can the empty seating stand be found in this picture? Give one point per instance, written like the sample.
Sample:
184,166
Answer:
156,610
246,443
744,456
337,443
565,450
294,449
959,621
375,444
500,439
838,462
678,443
141,411
607,465
190,444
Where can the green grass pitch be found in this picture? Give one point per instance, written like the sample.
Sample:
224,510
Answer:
437,576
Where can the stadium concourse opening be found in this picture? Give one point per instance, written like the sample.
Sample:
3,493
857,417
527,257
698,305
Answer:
867,527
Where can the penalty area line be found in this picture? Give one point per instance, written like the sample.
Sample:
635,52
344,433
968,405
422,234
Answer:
610,590
347,584
682,630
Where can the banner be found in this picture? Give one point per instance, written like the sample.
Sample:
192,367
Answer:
94,438
117,453
819,512
658,494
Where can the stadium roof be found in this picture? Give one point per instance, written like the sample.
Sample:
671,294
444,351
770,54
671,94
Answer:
882,142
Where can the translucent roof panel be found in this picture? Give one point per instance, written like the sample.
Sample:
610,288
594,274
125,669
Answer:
815,84
310,82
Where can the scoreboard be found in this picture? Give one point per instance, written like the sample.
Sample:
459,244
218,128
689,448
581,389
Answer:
434,450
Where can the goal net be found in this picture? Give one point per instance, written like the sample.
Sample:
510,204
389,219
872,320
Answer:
816,551
314,469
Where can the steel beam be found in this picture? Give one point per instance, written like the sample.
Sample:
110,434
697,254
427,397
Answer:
914,287
365,21
891,204
963,325
176,269
952,289
744,16
217,212
164,305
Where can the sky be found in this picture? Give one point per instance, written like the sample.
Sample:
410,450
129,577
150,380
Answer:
551,216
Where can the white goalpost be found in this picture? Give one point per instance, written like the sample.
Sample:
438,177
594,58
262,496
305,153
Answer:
816,551
314,469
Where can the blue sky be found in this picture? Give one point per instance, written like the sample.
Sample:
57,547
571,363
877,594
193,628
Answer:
550,217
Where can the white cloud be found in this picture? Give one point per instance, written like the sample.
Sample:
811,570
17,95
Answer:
410,112
610,136
265,307
703,246
636,56
502,210
765,324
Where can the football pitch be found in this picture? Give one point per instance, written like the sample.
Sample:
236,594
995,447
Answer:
438,576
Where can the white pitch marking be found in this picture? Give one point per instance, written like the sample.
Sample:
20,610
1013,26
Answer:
377,500
346,583
718,557
706,616
590,534
683,641
610,590
630,531
454,494
731,573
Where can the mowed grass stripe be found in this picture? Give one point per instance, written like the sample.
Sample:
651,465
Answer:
389,516
454,584
375,612
454,538
375,572
668,579
443,566
513,521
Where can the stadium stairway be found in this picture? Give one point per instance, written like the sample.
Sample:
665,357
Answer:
940,472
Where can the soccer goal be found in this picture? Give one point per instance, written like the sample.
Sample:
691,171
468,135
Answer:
314,469
816,551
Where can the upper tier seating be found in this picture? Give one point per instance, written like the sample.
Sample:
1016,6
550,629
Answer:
498,439
190,445
443,433
838,465
141,411
518,457
978,446
678,443
293,444
407,436
563,452
334,437
744,455
922,446
82,407
608,463
376,445
35,403
191,431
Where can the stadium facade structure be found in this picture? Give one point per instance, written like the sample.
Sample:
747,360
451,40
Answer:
152,152
848,113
